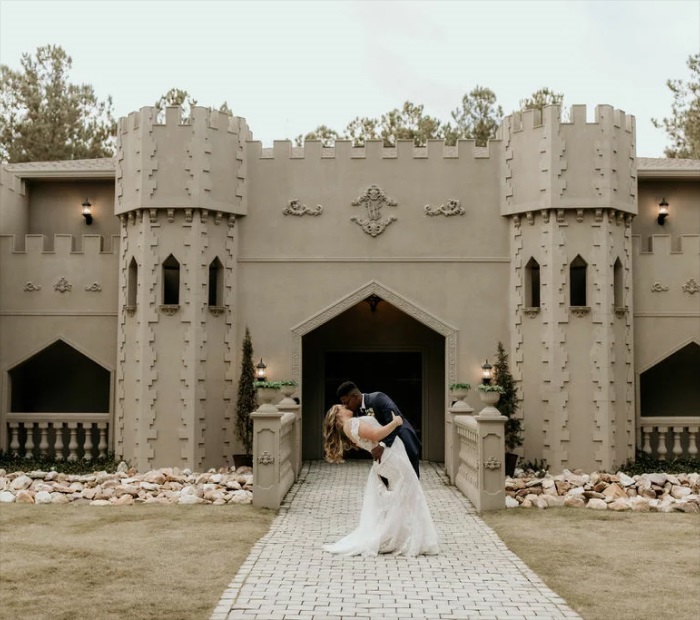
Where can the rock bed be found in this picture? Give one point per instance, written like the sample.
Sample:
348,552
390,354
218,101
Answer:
603,491
125,487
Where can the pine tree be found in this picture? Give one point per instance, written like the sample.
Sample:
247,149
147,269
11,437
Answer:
508,402
247,402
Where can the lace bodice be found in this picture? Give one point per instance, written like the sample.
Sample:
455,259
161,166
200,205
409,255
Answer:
354,428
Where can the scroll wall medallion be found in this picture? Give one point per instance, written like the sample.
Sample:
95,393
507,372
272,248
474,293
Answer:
691,287
30,287
295,207
373,199
452,207
657,287
62,286
95,287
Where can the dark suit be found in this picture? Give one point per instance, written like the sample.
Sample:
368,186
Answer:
382,406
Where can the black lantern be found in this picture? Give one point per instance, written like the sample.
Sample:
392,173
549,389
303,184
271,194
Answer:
87,212
261,370
373,301
486,373
663,211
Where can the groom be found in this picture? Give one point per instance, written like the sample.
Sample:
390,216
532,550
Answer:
381,406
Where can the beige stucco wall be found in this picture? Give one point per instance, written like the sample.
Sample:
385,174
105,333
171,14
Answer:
453,285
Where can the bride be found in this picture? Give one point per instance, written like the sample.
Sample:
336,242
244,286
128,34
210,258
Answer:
394,518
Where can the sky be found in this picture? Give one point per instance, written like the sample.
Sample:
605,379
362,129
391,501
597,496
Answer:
289,66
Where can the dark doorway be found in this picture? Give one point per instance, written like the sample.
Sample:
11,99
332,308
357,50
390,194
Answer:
397,374
59,379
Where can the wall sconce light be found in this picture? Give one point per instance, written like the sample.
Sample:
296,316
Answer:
486,373
373,302
260,373
663,211
87,212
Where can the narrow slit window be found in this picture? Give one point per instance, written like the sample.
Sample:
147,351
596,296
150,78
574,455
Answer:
617,284
132,283
171,281
532,284
216,283
577,281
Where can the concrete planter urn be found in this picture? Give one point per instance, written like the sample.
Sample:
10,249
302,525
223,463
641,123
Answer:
268,392
288,388
489,398
459,392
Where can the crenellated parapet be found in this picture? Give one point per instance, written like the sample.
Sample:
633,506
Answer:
343,150
197,162
554,164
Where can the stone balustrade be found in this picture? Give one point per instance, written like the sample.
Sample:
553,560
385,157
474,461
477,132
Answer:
69,436
669,437
475,460
276,451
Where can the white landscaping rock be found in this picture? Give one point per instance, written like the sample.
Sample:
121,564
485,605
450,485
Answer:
7,497
511,502
597,504
42,497
20,483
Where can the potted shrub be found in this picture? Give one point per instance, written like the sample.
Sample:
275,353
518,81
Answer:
288,387
459,392
268,391
489,393
246,404
508,406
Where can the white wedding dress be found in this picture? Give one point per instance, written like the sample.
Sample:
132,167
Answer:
395,519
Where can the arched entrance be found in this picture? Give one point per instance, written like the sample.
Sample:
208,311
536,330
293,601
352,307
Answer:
396,348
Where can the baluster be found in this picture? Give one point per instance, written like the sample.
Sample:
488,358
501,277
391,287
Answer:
87,446
692,446
58,446
73,444
29,443
44,442
677,450
14,438
646,434
662,442
102,446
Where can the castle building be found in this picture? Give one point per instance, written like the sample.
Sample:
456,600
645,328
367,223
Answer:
127,284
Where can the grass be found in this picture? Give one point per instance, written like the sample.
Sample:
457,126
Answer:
135,562
174,562
627,565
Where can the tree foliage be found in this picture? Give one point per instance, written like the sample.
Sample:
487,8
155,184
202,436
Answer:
477,117
541,98
683,126
508,402
246,402
43,116
183,99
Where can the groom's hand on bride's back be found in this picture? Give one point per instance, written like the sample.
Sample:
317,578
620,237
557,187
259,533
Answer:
377,452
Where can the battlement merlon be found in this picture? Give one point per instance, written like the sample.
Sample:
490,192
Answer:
550,163
194,162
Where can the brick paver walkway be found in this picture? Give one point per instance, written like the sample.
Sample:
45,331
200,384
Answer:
288,575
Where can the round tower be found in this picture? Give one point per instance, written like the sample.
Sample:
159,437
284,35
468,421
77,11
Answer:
569,189
180,184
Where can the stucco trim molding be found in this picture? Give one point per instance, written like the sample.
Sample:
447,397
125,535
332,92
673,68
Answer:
388,295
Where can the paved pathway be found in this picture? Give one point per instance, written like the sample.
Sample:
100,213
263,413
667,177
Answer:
288,576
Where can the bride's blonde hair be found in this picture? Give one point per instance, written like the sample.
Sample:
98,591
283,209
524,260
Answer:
335,442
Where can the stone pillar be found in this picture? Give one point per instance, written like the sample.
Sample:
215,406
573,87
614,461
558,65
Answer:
267,421
492,468
451,439
288,405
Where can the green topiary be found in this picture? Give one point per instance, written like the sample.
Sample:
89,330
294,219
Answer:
247,402
508,403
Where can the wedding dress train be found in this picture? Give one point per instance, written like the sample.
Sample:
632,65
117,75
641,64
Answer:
394,519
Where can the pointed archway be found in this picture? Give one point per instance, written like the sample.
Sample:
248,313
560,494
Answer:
396,347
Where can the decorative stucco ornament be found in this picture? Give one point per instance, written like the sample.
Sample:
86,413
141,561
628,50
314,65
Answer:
373,199
657,287
691,286
493,463
62,286
453,207
30,287
95,287
295,207
266,458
